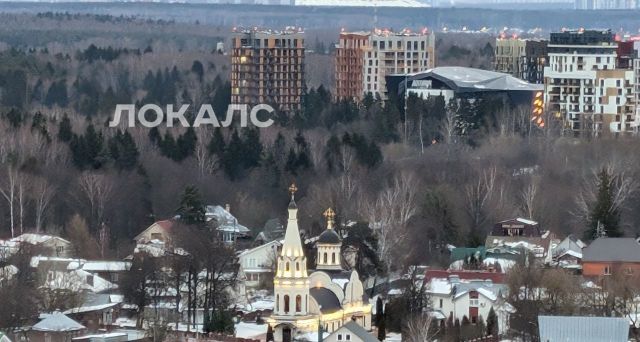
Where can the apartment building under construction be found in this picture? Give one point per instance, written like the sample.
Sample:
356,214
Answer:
588,86
268,67
363,59
521,58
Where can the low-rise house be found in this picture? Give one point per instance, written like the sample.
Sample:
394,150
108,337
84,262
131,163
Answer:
583,329
55,327
62,273
159,231
517,227
350,332
111,270
258,264
540,247
458,298
98,311
226,224
273,230
49,245
568,253
606,256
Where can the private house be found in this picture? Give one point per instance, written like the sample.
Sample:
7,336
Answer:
258,264
226,224
158,232
496,259
62,273
49,245
350,332
517,227
607,256
98,310
583,329
568,253
111,270
55,327
473,298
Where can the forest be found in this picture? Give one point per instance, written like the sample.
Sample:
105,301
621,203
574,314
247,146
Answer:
438,173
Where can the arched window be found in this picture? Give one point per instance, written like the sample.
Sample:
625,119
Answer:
286,267
298,303
333,258
277,303
286,303
298,266
325,258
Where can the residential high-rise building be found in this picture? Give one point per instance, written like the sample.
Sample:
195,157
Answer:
522,58
584,85
363,59
636,73
268,67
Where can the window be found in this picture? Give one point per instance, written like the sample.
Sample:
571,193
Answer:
348,337
297,266
324,258
277,303
286,267
286,303
440,303
298,303
607,270
339,337
333,258
59,250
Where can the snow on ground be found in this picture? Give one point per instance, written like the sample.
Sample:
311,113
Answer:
393,337
250,330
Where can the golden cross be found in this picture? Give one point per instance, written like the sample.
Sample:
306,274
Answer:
292,189
329,214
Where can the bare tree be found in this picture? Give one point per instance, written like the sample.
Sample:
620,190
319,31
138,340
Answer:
42,193
529,196
623,184
389,213
478,194
420,328
9,190
205,162
96,189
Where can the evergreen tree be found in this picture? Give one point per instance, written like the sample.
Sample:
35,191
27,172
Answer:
252,148
379,311
492,323
270,337
191,209
217,145
604,218
123,151
221,322
382,328
186,144
198,69
232,158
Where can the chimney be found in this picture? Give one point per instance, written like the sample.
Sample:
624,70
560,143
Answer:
227,207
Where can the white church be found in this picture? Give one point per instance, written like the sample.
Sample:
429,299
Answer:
329,296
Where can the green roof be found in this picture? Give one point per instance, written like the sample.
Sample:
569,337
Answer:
460,253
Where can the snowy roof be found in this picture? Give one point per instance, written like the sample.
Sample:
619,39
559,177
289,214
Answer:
361,3
571,253
226,221
83,309
57,322
463,79
36,239
250,330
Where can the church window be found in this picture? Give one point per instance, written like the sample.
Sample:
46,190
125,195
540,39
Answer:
298,266
347,337
325,258
339,337
286,303
333,258
286,267
277,303
298,303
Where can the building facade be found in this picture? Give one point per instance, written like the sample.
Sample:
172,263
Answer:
522,58
584,86
267,67
606,4
363,59
328,297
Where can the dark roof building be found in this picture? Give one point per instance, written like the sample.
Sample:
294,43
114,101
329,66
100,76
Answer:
606,249
583,329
